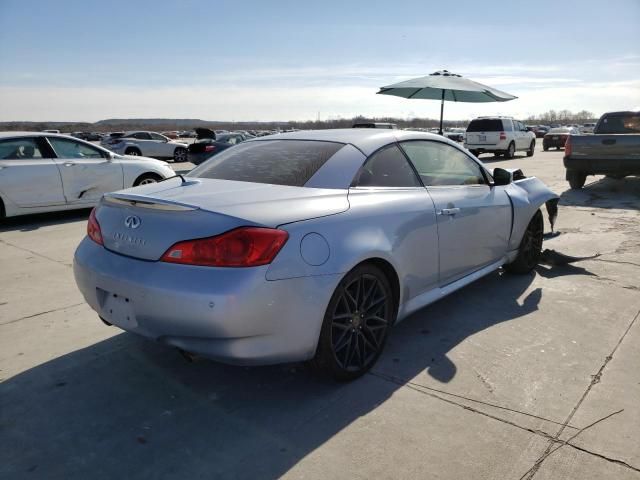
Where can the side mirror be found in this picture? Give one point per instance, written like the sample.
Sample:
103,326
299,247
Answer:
501,177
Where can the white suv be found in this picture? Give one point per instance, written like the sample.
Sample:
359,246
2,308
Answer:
499,135
147,144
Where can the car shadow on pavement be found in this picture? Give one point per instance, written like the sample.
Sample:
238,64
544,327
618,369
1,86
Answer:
501,158
603,192
562,271
27,223
129,408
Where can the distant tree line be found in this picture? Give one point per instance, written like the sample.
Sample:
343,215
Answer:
562,116
162,124
159,125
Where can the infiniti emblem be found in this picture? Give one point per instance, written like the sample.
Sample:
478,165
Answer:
132,221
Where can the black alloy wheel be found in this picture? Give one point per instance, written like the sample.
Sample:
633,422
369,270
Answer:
530,247
356,324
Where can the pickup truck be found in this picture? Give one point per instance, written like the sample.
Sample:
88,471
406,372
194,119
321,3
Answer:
613,149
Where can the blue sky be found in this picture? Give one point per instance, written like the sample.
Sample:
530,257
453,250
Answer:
281,60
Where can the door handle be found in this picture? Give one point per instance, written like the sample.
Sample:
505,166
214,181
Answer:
608,141
449,211
69,164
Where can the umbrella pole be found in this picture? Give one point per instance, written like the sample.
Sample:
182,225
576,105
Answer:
441,111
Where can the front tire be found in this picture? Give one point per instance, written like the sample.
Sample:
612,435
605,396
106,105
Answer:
147,179
576,179
532,148
180,155
356,323
530,247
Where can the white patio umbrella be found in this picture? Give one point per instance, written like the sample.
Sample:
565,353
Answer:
444,85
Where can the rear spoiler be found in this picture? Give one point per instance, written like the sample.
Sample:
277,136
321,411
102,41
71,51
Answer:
142,201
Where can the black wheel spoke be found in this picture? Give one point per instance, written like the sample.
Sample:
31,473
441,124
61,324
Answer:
346,301
373,345
351,351
342,341
370,291
375,305
353,305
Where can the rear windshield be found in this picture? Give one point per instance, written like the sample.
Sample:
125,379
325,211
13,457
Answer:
485,125
278,162
627,123
560,130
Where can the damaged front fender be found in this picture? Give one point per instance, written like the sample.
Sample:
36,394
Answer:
527,196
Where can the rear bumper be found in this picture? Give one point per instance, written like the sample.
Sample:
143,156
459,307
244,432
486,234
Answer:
554,143
233,315
595,166
484,147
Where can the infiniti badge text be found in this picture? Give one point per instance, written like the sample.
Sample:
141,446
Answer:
123,237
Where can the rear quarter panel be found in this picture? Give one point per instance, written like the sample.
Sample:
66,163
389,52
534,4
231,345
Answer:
396,225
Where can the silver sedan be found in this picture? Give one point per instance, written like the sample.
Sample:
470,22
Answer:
307,245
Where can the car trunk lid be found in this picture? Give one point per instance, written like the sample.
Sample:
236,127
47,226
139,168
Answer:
146,221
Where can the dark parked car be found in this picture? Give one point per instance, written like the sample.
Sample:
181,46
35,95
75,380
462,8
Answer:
541,131
556,137
208,144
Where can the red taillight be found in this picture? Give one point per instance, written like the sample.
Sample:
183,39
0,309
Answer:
93,228
503,136
567,146
242,247
209,148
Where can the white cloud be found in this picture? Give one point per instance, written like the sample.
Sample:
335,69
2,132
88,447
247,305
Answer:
343,90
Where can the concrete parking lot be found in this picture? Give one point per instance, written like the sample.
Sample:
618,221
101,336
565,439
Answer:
513,377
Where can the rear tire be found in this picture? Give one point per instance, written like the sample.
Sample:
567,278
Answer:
147,179
576,179
532,148
475,153
180,155
356,323
134,152
530,247
511,151
545,148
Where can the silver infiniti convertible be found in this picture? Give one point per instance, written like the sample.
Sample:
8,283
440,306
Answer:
306,246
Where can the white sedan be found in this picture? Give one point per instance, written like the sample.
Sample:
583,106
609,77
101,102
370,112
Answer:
149,144
43,172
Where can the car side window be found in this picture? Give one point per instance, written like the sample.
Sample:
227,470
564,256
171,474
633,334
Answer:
65,148
156,136
19,148
507,125
441,164
387,167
